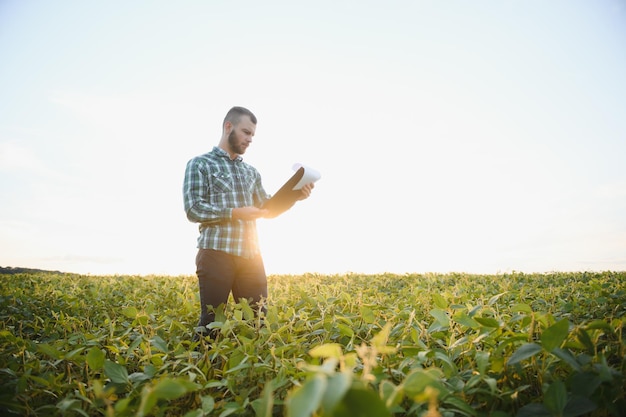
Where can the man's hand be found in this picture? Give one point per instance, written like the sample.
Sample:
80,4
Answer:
249,213
306,191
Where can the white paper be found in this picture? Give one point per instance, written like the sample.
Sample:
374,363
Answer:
310,175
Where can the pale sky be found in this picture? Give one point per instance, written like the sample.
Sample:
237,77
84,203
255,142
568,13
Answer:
452,136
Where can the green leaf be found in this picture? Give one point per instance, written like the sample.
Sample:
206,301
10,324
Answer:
379,341
172,388
567,357
555,398
441,316
554,335
487,321
460,406
482,362
49,350
584,383
495,298
304,400
367,314
578,406
263,405
583,337
416,382
521,308
600,324
345,330
115,372
361,403
448,367
337,387
328,350
391,394
524,352
462,318
439,301
95,358
248,313
130,312
159,343
165,389
534,410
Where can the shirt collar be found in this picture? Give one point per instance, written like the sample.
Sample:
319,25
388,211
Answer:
222,153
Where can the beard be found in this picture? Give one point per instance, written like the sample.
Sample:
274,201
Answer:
235,145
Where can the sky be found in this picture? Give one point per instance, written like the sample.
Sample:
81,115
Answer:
451,136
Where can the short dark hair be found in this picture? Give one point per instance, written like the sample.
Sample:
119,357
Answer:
235,114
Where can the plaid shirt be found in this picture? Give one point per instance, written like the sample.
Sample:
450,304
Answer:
214,185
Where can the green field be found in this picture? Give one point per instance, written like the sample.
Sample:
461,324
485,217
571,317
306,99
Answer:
330,345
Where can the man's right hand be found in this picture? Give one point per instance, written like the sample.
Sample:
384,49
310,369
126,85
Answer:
249,213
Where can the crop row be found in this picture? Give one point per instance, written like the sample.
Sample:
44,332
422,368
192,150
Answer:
329,345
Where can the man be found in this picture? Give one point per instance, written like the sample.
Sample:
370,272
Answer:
225,195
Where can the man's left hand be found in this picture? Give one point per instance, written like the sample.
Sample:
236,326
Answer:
306,191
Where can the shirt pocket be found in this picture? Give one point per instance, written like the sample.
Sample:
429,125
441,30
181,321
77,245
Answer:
221,182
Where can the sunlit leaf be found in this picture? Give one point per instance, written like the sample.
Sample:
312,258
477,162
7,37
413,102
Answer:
521,308
328,350
439,301
130,312
95,358
367,314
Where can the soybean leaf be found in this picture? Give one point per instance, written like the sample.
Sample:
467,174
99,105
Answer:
460,406
159,343
555,398
116,372
165,389
440,301
416,382
49,350
524,352
534,410
367,314
262,406
441,316
521,308
304,400
338,385
567,357
95,358
328,350
361,403
554,335
487,321
577,406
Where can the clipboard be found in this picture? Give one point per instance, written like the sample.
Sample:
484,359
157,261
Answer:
290,192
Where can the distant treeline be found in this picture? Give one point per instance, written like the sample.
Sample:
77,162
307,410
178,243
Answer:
12,270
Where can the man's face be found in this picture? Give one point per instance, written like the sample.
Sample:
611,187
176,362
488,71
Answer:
241,136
